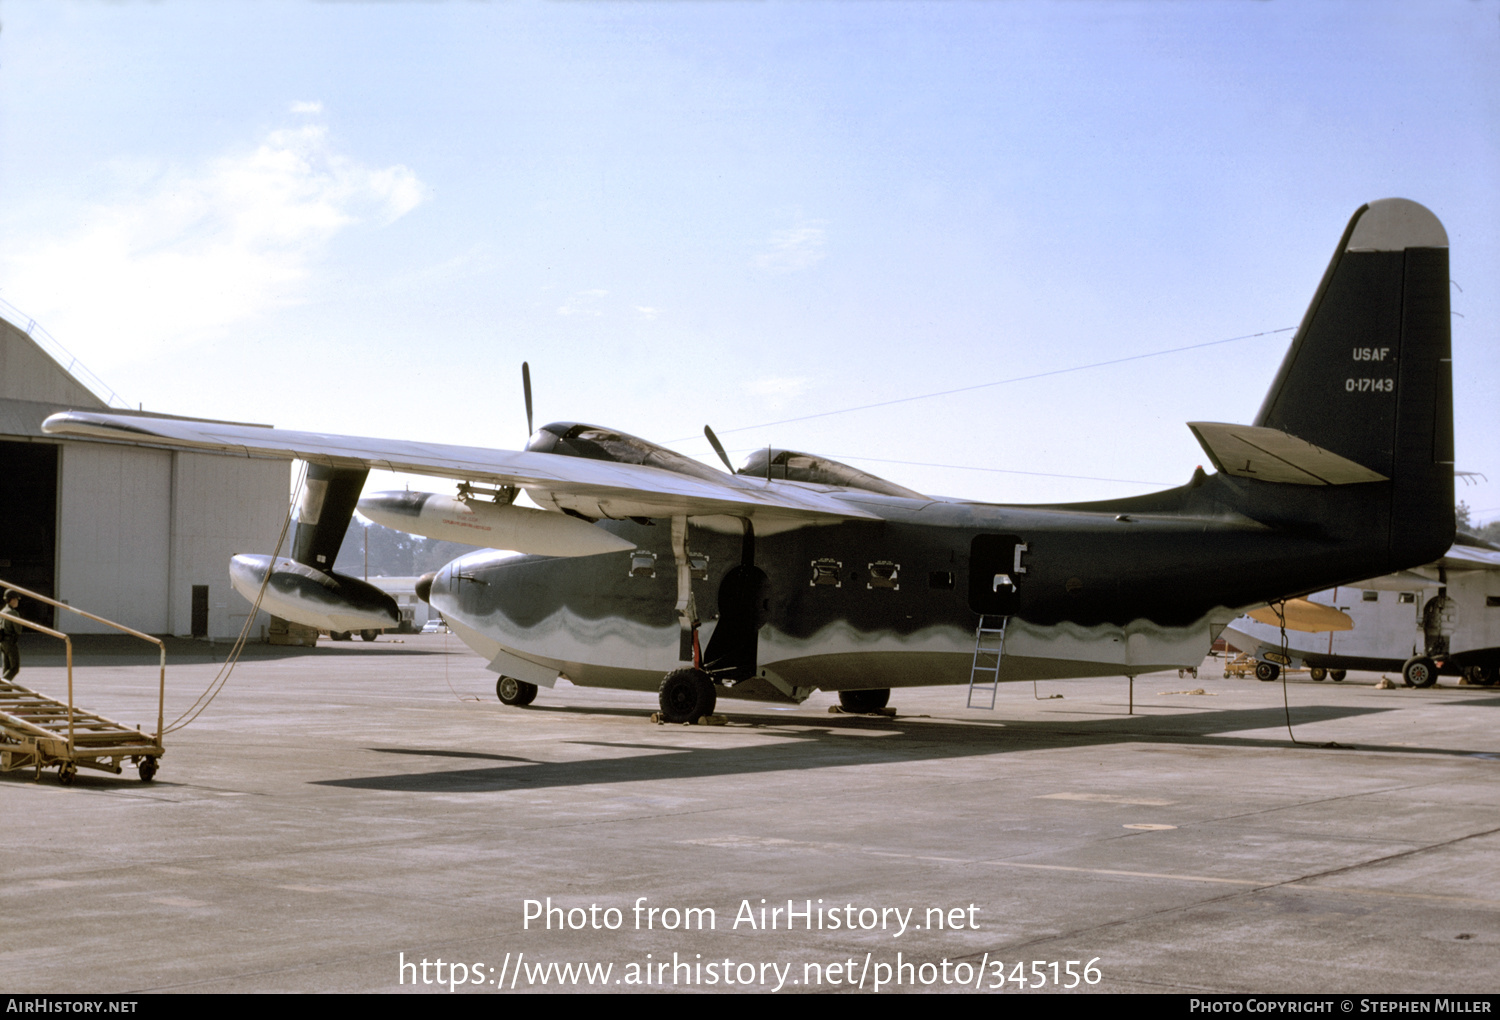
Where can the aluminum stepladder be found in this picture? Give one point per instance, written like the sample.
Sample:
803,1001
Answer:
989,647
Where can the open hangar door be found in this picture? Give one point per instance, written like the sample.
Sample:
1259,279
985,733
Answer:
28,522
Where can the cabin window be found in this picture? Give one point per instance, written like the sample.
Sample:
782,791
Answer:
884,574
825,572
642,563
1492,601
1406,598
942,579
698,564
1371,596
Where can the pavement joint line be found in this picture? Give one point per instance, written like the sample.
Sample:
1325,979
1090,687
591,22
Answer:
1325,800
1304,804
1392,857
751,843
1122,873
1293,883
1433,897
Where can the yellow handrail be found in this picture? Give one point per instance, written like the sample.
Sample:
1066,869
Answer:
69,643
161,695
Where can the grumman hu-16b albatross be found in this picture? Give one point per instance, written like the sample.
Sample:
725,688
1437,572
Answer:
648,570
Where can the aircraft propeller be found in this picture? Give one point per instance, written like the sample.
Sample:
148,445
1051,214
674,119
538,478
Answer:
713,441
526,387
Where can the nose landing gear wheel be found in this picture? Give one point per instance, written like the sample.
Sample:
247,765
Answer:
686,695
1318,673
1337,674
515,692
1267,671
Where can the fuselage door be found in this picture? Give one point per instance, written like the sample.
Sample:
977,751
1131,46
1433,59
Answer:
997,572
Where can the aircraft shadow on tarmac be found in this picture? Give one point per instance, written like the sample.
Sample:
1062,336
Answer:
115,650
815,745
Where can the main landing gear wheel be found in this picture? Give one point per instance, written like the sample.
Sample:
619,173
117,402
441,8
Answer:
864,701
1419,671
1338,674
511,691
339,635
1318,673
686,695
369,635
146,769
1267,671
1490,676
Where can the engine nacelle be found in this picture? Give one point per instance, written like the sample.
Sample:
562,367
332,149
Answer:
312,597
492,525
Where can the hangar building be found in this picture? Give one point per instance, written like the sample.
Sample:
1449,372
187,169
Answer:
134,533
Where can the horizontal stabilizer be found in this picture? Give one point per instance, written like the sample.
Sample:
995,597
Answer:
1270,455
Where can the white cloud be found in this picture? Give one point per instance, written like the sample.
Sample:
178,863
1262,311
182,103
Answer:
773,392
777,386
583,303
307,107
788,251
178,255
648,313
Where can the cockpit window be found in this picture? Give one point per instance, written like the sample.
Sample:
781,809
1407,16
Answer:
805,467
580,440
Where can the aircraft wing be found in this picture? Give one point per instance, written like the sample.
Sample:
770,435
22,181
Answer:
613,489
1457,559
1303,615
1469,557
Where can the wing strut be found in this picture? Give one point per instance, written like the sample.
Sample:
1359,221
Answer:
687,606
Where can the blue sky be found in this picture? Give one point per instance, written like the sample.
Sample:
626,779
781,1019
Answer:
362,218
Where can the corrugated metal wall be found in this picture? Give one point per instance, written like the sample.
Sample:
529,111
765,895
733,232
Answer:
140,527
221,506
113,543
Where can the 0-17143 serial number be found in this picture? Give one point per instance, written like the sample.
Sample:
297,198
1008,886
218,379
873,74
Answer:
1369,385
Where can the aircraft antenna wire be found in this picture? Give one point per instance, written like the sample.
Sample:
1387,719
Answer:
232,659
998,382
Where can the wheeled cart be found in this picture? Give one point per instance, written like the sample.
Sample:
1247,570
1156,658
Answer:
40,732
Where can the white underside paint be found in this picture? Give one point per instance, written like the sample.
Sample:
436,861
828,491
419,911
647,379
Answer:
615,652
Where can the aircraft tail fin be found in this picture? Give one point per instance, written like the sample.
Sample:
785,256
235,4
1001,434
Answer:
1367,383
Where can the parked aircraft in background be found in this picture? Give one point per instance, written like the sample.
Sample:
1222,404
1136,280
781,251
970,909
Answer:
648,570
1439,618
